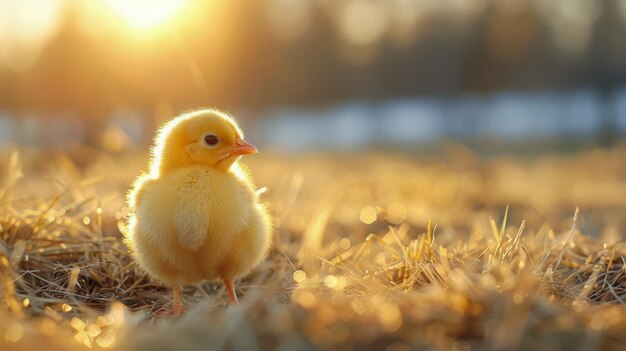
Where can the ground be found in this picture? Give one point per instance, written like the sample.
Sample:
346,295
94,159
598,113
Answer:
372,251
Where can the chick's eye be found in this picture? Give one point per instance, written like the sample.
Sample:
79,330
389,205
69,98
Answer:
210,140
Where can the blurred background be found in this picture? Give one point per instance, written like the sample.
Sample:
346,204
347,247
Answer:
305,75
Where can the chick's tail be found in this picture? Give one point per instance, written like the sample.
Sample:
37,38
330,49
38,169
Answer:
127,225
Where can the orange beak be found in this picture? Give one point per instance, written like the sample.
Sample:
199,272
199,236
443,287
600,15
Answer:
242,148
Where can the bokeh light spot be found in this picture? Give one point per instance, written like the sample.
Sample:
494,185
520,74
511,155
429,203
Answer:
396,213
364,22
305,298
14,332
289,19
330,281
299,276
345,243
368,215
390,317
106,339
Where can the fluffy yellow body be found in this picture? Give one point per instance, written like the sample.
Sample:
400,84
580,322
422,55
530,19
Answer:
197,223
196,215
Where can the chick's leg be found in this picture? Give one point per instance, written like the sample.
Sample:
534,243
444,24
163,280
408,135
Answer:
230,287
177,305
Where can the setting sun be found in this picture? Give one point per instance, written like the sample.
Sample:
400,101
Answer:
146,14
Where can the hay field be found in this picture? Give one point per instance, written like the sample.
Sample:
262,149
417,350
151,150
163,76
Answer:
371,251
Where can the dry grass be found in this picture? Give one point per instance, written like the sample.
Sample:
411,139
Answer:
442,262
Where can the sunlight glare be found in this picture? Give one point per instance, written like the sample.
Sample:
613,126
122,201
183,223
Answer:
25,28
145,14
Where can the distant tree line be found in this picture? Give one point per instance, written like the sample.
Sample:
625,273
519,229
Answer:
231,58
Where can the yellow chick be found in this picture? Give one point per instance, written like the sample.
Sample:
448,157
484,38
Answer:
196,215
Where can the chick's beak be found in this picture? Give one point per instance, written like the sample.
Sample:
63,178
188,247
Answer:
242,148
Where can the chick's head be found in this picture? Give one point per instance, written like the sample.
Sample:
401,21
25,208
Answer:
206,137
